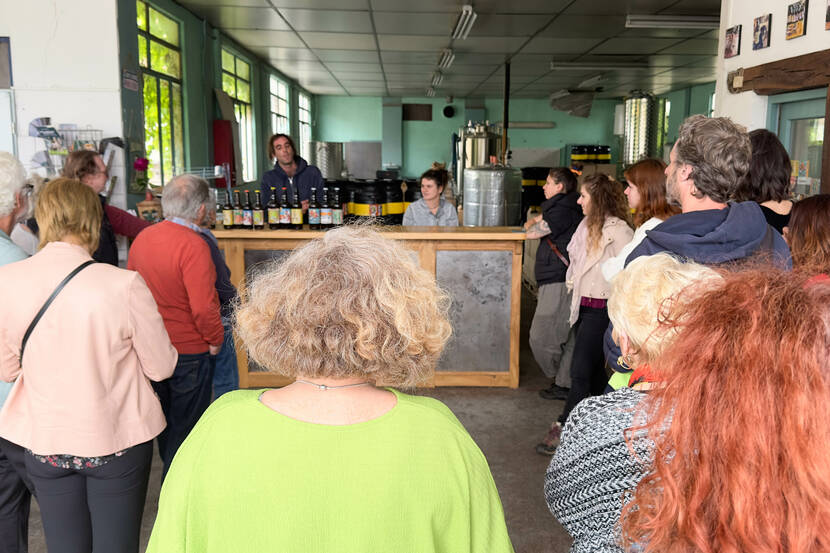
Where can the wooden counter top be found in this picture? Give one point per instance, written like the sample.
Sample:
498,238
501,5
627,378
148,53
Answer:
396,233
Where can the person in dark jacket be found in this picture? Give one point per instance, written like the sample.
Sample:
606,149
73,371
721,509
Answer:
550,328
290,171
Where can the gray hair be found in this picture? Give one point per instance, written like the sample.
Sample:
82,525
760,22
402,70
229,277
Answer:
183,196
719,152
12,180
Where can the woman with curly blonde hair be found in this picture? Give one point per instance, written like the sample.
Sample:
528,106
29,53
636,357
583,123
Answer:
601,235
333,462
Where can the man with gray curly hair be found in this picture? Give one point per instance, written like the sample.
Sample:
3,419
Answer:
176,264
708,160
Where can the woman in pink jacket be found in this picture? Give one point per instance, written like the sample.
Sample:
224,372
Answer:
601,235
82,406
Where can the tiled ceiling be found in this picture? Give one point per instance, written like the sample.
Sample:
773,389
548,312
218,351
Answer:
392,47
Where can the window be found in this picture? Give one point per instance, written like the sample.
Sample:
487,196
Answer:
236,82
712,105
304,116
279,107
160,58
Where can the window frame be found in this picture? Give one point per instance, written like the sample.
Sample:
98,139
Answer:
303,126
246,146
178,155
276,128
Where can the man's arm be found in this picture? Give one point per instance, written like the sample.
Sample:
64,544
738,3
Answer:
200,283
123,223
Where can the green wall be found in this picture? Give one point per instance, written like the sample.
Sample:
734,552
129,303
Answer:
686,102
348,118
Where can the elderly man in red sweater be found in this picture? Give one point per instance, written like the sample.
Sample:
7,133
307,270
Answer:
175,263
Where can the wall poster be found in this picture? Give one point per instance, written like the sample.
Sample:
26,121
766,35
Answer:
761,31
733,42
797,19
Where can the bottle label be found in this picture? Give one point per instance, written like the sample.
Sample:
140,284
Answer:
259,218
375,210
313,216
285,216
273,215
325,215
296,216
227,218
337,216
237,217
247,217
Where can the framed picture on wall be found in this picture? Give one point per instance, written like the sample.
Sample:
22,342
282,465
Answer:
760,31
733,42
827,17
797,19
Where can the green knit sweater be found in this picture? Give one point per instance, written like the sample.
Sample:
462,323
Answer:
250,479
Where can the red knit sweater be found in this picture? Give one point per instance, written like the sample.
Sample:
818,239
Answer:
175,263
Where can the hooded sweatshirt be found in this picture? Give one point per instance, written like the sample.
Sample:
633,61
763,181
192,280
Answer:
306,177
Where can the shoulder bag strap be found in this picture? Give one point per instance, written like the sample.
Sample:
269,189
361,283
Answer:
556,251
46,305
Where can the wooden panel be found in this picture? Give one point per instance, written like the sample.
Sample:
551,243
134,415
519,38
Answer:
797,73
515,313
393,232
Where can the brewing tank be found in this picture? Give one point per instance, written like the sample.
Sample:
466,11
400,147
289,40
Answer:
645,127
328,157
492,196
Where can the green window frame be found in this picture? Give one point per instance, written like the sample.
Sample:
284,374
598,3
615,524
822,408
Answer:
160,60
304,118
280,121
236,82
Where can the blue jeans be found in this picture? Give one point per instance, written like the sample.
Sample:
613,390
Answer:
226,374
184,397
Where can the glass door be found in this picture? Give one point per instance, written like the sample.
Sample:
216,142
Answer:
800,126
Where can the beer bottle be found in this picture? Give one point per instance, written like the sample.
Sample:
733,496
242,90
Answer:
337,208
227,212
325,211
247,212
313,211
273,211
285,211
296,211
259,213
237,211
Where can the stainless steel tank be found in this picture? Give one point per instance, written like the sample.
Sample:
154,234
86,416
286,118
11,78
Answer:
492,196
645,127
476,143
328,157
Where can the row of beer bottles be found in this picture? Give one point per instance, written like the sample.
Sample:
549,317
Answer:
280,214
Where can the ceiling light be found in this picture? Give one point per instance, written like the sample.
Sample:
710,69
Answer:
560,94
437,77
576,66
591,81
430,92
672,21
465,22
447,57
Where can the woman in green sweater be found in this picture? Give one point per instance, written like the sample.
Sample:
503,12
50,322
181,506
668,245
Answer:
332,462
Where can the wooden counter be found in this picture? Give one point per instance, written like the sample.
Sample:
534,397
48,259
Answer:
480,267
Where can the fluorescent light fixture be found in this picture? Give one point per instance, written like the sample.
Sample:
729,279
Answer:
560,94
465,22
672,21
591,81
430,92
447,57
437,77
576,65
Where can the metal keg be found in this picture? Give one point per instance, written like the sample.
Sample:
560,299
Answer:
328,157
492,196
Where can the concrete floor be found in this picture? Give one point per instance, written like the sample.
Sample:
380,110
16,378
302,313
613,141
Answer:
506,424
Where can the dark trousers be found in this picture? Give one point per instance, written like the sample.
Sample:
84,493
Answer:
95,510
15,498
184,397
588,365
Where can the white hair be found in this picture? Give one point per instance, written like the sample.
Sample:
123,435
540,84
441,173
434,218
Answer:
12,180
183,196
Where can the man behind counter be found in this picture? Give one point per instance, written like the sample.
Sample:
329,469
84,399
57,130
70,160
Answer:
290,171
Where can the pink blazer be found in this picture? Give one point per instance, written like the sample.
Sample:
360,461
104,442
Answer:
84,387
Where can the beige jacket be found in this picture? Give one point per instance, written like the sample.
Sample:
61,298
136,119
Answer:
584,276
85,384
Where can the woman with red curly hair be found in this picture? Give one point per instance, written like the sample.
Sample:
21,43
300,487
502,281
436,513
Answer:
732,471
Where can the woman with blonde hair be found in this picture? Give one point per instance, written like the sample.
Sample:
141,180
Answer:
593,466
333,461
601,235
82,406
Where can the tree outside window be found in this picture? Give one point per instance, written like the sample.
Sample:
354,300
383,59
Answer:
304,117
279,106
236,82
160,59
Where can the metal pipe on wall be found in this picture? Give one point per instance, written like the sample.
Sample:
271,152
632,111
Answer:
505,115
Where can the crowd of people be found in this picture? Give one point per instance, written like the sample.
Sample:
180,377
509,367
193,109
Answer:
687,338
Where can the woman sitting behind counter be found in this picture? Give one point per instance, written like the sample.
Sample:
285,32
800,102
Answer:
432,210
333,462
